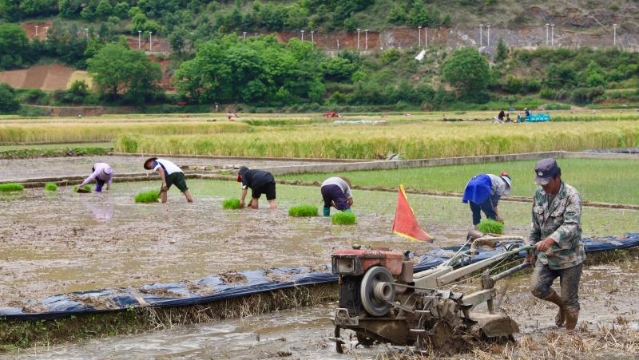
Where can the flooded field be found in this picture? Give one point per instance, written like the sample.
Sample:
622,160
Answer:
61,242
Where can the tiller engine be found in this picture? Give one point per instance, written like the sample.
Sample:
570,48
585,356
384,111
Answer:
380,299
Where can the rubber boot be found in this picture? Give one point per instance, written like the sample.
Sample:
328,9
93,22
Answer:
327,211
98,188
554,298
571,319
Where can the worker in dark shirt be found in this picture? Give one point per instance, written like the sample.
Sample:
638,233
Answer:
260,182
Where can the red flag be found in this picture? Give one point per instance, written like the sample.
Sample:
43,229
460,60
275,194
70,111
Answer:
405,223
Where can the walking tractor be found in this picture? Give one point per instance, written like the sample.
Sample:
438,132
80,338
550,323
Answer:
382,300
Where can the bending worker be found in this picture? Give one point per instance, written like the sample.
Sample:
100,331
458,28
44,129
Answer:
259,181
336,192
483,192
101,173
556,235
170,174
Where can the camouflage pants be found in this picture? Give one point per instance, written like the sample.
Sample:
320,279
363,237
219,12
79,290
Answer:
569,278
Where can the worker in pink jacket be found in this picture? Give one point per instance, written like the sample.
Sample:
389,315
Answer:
102,174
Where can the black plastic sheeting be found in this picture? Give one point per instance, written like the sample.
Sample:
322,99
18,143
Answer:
252,282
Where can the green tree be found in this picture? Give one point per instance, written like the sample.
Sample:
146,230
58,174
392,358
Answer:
467,70
14,46
502,51
123,74
8,100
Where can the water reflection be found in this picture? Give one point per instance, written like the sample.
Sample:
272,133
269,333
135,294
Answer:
102,209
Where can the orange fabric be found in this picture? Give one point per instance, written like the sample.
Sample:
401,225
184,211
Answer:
405,223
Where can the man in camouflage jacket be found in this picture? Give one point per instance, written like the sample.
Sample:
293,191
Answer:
556,234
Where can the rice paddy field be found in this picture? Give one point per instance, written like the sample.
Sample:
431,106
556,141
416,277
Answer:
60,242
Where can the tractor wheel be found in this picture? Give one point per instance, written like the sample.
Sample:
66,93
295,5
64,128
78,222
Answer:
377,290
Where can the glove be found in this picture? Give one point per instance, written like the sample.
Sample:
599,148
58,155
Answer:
348,211
327,211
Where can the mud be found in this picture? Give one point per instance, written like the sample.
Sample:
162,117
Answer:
305,333
66,242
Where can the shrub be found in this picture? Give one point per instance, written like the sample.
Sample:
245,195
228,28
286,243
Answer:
489,226
303,211
231,204
343,218
149,196
11,187
50,186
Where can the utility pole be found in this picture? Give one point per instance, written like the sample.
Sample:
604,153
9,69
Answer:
358,30
547,25
139,39
419,36
481,35
366,39
488,40
312,40
552,35
302,31
150,41
614,34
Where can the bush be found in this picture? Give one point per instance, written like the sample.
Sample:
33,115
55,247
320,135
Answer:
149,196
50,186
303,211
490,226
231,204
344,218
11,187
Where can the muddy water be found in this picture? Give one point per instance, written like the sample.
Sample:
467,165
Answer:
304,333
64,242
79,166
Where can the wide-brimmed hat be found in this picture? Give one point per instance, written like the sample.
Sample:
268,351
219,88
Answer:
107,171
147,161
348,182
546,170
504,176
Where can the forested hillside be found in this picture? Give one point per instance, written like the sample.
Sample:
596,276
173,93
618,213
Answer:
212,60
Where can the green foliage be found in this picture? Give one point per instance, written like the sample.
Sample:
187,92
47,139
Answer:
51,186
149,196
11,187
124,75
303,211
231,204
32,153
490,226
502,51
8,100
85,188
14,46
467,71
343,218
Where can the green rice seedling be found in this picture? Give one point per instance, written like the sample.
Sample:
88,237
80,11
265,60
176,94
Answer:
231,204
11,187
344,218
50,186
83,189
490,226
303,211
149,196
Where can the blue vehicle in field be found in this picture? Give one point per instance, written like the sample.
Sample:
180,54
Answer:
529,117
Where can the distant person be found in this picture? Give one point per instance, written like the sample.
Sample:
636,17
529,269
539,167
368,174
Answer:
556,235
260,182
483,192
526,112
102,174
336,192
508,119
170,174
501,116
